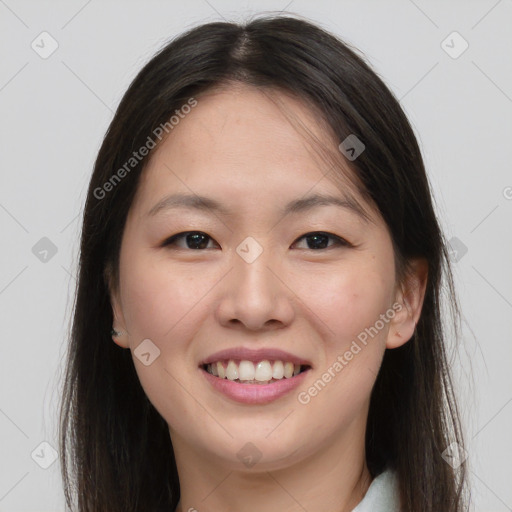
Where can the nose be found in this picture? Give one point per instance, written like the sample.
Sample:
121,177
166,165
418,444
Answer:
255,296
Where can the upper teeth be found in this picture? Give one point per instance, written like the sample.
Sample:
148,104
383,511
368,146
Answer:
247,370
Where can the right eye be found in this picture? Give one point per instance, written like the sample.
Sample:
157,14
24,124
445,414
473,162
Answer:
195,240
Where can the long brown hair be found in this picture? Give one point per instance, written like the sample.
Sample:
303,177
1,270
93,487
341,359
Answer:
115,448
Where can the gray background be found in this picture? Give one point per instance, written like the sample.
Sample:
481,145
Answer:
55,112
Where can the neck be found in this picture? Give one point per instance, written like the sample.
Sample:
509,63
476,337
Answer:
333,478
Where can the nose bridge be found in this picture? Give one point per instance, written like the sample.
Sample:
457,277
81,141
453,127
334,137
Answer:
254,296
255,282
255,278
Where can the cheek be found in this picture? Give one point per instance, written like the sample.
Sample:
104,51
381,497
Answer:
348,301
158,297
160,303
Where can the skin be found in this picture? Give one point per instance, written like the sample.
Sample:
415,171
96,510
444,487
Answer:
237,147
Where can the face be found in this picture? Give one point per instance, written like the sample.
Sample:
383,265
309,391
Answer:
252,280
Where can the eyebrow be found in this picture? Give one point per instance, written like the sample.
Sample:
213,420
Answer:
203,203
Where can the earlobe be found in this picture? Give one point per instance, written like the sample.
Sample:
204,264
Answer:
408,304
120,338
119,333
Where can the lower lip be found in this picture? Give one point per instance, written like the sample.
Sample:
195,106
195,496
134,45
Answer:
255,393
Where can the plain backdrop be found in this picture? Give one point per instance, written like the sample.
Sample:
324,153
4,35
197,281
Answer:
55,111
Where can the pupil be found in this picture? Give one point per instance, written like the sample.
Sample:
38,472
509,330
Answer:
316,243
195,238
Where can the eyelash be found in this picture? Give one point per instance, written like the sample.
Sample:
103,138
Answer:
340,242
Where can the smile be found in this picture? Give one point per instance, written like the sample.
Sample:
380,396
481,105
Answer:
254,376
254,383
249,372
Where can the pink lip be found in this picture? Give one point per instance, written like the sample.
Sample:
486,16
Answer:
254,355
255,393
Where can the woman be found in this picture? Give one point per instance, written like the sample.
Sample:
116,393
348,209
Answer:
259,234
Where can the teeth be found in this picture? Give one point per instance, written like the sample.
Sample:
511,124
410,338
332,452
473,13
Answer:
232,370
262,372
278,372
246,370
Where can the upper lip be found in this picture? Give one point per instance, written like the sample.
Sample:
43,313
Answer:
254,355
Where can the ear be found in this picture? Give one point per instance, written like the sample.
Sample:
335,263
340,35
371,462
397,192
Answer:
409,298
117,311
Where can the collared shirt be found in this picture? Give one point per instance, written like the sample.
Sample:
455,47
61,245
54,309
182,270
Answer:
382,495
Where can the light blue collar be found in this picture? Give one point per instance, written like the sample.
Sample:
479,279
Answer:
382,495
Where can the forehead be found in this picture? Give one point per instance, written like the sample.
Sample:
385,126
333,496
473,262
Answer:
245,144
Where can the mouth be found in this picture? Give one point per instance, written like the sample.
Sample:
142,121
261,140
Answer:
250,372
254,376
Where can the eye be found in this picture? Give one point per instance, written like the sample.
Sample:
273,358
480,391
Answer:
198,240
193,240
319,240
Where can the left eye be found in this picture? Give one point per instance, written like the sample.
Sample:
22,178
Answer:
193,240
319,240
